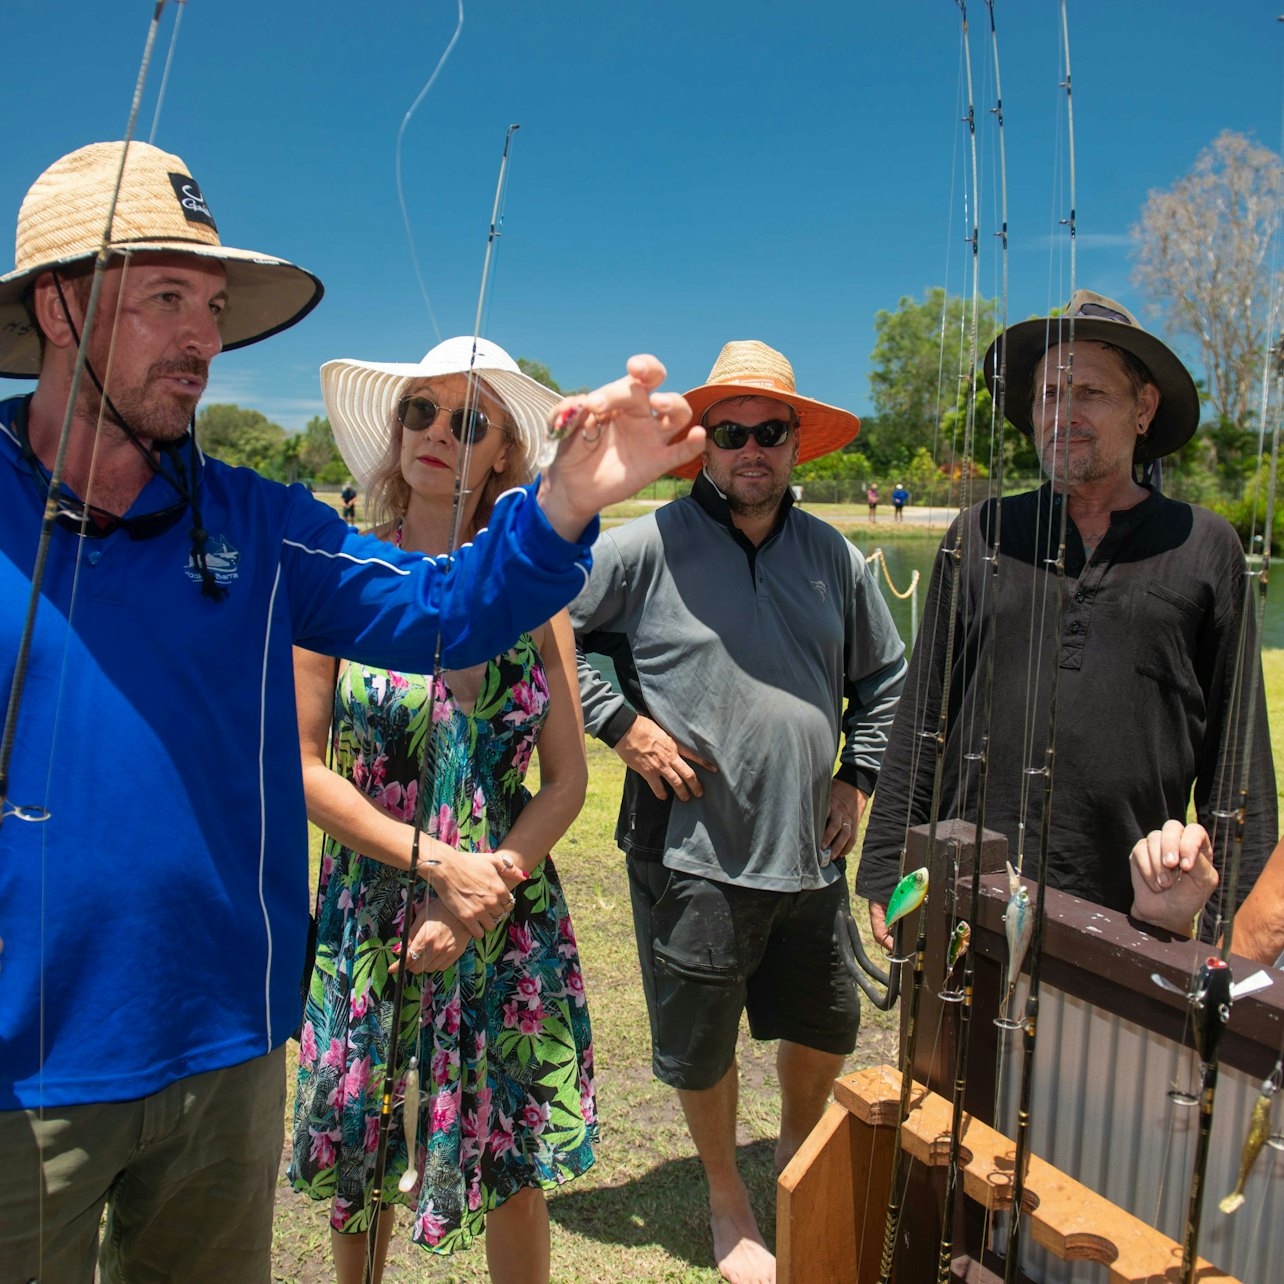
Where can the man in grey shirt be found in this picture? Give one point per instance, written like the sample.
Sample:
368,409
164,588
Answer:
739,626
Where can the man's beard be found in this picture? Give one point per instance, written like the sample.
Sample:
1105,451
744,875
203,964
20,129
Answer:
135,410
756,507
1090,467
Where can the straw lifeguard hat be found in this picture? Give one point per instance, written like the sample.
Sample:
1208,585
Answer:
748,368
361,398
160,209
1098,319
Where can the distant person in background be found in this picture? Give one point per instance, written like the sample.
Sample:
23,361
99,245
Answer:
900,497
739,626
349,496
871,498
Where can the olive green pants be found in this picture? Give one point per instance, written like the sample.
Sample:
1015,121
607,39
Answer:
187,1177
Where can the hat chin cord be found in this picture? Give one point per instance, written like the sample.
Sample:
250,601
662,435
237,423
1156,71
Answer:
183,482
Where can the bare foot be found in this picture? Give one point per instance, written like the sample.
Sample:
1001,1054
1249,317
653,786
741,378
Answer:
784,1152
741,1255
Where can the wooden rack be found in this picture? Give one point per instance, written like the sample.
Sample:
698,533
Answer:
1101,1015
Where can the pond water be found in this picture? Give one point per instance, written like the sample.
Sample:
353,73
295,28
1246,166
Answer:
913,553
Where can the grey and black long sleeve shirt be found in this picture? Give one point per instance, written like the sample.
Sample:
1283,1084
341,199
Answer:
746,655
1147,635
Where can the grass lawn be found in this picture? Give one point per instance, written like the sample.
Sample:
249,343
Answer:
639,1214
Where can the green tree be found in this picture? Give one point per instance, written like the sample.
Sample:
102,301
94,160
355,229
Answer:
919,362
541,374
1248,514
538,371
318,455
244,438
923,479
841,465
289,463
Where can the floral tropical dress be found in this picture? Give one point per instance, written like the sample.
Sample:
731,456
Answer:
502,1035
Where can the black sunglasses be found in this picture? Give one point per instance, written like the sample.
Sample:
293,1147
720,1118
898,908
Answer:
732,436
415,414
79,518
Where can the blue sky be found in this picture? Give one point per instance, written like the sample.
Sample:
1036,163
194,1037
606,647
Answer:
686,173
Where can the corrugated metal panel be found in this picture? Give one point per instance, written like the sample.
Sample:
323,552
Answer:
1103,1116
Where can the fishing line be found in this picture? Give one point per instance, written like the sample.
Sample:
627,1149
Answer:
981,753
374,1197
50,518
401,192
938,736
1030,1032
27,812
169,59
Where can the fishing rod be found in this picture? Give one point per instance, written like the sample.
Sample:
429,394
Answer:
959,941
374,1197
31,811
1214,989
937,737
1011,1267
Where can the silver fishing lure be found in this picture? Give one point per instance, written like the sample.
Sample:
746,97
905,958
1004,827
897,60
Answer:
1018,926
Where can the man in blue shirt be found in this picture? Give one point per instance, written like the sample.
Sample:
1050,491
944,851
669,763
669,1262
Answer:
153,862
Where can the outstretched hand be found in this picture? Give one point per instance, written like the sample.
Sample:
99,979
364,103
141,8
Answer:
612,443
1172,875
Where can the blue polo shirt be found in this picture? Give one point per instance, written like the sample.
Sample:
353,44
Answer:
154,925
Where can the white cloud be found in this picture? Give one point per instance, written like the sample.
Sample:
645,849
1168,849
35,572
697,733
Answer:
1084,240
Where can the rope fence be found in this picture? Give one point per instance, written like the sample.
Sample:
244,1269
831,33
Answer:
911,592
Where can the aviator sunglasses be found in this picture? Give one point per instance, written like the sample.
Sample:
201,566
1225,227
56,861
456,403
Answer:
417,413
732,436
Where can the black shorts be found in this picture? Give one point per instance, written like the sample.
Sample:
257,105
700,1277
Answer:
710,951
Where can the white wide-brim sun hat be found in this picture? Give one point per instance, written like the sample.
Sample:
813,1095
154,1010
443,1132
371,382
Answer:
361,398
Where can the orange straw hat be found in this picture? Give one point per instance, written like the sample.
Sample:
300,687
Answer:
160,210
748,368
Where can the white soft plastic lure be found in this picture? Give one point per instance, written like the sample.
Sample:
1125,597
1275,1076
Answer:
410,1126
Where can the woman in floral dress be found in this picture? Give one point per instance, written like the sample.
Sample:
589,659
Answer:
494,1010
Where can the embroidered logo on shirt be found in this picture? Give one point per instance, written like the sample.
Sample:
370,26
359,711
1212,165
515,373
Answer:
821,590
222,560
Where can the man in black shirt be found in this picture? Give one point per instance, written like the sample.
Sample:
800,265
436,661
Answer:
1145,628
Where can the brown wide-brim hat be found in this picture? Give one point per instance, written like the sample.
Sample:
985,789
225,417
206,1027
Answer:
160,210
748,368
1097,319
